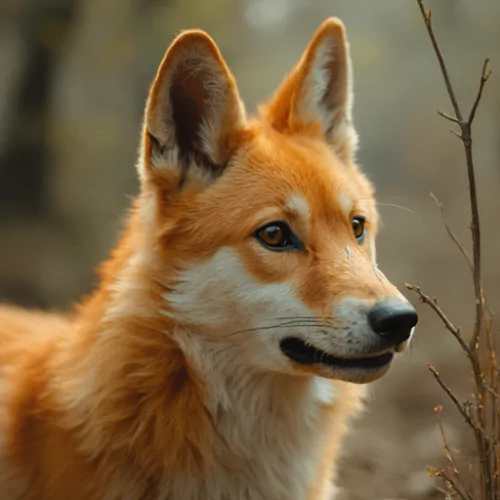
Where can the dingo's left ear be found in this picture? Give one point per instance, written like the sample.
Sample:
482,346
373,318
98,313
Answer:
317,95
193,109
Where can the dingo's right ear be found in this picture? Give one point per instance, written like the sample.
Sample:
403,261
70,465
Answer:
192,111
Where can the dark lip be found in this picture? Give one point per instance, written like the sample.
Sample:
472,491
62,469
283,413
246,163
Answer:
300,352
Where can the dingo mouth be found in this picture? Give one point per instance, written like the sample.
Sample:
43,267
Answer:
300,352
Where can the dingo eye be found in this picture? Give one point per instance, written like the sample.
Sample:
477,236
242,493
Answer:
358,226
278,236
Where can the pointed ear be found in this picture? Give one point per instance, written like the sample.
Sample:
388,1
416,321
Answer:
317,95
193,109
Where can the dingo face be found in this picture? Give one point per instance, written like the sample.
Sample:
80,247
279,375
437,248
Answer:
265,228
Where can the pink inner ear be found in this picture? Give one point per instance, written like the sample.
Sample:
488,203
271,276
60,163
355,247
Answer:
331,89
188,97
337,91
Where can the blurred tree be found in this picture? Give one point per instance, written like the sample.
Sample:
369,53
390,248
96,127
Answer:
39,29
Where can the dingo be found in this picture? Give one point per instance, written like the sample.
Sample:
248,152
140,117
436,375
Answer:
224,351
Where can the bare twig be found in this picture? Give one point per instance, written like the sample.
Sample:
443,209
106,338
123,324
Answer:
492,391
466,138
448,117
453,486
447,323
449,455
488,476
461,408
494,402
451,234
460,136
428,22
485,75
464,410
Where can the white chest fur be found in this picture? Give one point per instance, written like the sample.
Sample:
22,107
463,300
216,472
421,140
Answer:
269,435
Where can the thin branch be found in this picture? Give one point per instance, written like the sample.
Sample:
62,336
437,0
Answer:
448,117
428,23
447,323
494,400
454,486
477,422
449,455
491,391
441,490
476,238
451,234
456,402
485,75
466,137
460,136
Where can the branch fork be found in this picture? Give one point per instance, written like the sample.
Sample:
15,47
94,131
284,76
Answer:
483,414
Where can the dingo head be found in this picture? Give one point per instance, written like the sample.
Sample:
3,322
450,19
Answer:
264,229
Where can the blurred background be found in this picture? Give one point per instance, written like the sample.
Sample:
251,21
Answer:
74,76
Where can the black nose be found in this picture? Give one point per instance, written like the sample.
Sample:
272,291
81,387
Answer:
393,320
